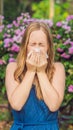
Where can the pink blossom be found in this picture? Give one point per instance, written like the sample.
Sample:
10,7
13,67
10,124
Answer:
1,30
17,31
59,24
9,26
10,55
64,55
70,88
22,27
15,23
67,41
25,15
49,22
12,60
22,14
15,48
7,42
69,18
2,27
58,36
22,32
27,21
60,50
6,45
17,38
19,18
2,62
1,17
67,28
71,43
5,35
71,50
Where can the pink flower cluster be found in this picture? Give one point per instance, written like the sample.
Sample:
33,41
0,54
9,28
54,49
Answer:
2,62
70,89
65,29
13,33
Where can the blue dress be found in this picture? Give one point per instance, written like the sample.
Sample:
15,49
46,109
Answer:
35,115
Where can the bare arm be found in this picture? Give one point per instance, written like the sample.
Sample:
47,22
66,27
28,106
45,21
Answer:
53,93
17,93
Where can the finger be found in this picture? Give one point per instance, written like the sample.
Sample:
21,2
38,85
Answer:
42,60
32,57
29,54
43,54
35,58
38,59
37,55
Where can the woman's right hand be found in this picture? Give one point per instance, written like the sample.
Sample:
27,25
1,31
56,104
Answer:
31,61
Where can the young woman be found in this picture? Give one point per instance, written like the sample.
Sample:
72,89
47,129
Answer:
35,83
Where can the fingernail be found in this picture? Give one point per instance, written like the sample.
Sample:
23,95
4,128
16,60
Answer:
29,53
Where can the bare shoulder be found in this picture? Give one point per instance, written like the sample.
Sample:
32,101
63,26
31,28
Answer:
9,75
11,65
59,66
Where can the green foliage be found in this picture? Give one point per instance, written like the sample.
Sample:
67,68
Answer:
12,9
40,10
61,11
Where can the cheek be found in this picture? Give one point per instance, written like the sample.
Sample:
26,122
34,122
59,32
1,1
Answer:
29,49
44,49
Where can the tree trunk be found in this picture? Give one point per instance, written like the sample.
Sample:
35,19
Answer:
1,10
51,9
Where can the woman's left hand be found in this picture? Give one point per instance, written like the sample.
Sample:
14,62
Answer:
42,62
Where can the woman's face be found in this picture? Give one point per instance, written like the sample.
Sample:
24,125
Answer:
37,39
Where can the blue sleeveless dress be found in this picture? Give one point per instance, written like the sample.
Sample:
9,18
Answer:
35,115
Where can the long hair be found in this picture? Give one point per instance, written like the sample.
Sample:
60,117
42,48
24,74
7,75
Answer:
21,57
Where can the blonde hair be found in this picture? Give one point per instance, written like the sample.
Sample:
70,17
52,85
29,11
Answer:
21,57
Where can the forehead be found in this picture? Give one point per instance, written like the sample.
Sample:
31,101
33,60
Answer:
38,35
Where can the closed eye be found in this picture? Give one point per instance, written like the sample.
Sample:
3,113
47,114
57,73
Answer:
32,44
41,44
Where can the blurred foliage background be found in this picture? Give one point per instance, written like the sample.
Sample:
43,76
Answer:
38,9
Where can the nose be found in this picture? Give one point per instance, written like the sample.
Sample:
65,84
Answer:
37,46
